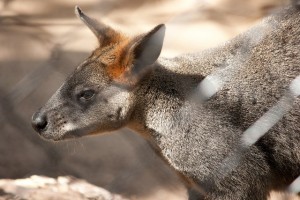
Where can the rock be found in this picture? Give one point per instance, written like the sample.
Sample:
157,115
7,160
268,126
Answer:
45,188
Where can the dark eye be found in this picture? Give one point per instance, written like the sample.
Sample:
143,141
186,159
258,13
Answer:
86,95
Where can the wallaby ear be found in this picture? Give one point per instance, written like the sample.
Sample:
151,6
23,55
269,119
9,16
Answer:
104,33
145,50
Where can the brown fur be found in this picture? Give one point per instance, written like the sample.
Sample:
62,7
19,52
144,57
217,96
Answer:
116,56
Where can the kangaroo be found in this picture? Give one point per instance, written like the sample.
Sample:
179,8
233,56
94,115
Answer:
125,83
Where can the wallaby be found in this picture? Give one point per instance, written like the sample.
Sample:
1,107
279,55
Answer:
124,83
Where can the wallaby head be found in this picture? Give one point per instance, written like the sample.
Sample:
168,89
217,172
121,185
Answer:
99,95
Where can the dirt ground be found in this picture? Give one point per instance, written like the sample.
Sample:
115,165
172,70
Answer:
43,41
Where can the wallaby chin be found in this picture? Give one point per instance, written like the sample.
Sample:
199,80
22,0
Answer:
225,119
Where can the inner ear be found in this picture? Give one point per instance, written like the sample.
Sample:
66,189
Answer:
143,51
148,48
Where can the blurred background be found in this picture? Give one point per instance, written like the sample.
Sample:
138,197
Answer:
41,42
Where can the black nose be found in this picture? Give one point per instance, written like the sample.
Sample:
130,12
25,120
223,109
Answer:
39,122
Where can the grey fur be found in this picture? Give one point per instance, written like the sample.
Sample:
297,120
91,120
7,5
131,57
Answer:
255,70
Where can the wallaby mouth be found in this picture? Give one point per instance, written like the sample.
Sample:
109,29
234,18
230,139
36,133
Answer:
53,126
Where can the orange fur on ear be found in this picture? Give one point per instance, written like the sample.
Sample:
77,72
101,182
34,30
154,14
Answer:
111,37
116,57
127,60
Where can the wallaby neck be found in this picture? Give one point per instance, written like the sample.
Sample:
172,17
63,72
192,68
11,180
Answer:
163,97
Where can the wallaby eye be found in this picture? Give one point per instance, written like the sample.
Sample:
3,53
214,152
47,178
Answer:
86,95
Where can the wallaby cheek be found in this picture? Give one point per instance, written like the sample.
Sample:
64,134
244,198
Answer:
121,104
111,115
